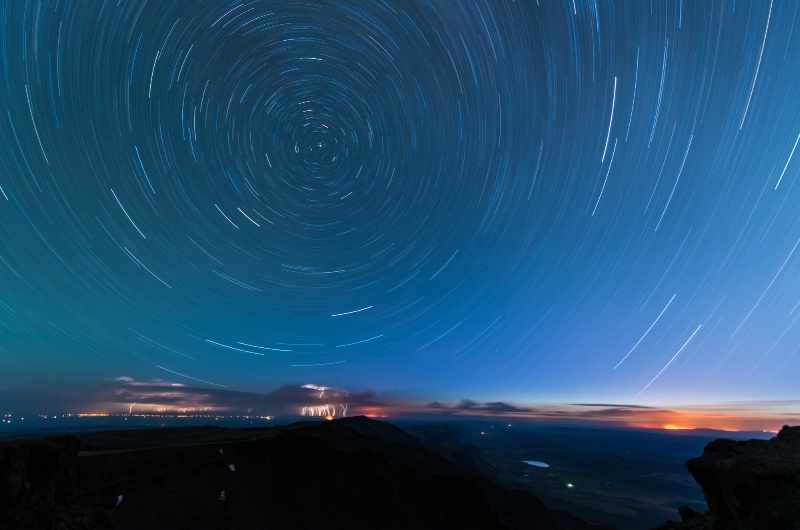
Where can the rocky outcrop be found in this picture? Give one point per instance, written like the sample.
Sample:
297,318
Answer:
749,485
35,476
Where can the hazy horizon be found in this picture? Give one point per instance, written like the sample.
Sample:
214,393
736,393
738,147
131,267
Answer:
130,397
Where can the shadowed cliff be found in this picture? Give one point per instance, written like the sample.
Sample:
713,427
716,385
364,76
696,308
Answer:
749,485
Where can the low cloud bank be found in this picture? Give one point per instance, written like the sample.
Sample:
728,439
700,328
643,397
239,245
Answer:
159,395
749,416
470,406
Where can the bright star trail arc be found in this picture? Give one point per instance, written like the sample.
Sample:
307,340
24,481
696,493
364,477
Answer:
498,200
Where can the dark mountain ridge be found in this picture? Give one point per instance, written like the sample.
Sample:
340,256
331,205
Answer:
348,473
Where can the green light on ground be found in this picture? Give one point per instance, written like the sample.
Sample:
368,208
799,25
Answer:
570,485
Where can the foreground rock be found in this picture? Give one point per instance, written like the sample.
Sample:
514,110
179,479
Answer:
749,485
35,475
351,473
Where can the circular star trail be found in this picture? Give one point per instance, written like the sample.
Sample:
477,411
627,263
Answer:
491,199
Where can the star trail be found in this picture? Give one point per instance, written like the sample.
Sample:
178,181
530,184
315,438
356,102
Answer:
521,200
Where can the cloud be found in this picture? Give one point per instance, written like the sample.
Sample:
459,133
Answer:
617,412
756,416
161,395
468,406
499,407
583,412
607,405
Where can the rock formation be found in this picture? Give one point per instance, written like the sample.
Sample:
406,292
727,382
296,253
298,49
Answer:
749,485
35,475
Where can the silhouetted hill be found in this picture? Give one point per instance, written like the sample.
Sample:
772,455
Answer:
349,473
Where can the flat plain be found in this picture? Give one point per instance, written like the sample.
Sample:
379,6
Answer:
630,479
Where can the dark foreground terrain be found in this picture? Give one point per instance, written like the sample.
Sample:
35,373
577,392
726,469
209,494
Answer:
349,473
361,473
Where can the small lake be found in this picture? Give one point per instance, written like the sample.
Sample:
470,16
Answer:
535,463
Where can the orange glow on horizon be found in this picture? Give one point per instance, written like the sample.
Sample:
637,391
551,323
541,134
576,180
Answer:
714,417
371,412
690,422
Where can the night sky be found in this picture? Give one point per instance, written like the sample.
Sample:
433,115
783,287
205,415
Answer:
495,200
